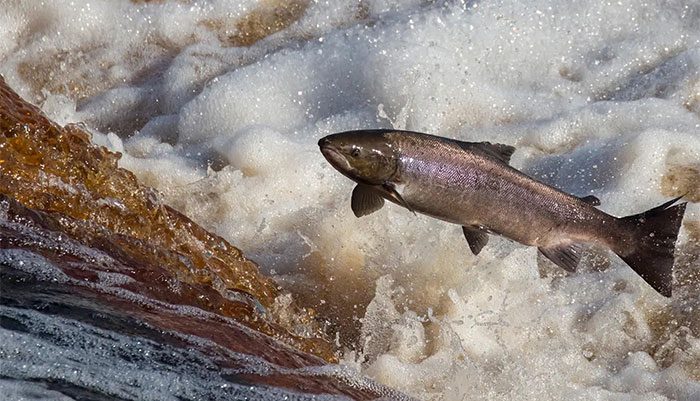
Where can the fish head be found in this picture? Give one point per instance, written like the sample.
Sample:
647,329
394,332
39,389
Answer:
363,156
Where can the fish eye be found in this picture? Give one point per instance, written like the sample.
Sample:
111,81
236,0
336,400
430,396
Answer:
355,152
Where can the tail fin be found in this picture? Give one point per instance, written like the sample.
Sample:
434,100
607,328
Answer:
655,236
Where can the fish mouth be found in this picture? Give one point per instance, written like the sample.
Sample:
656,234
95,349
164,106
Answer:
334,156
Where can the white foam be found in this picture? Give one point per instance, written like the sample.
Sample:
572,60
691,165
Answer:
598,98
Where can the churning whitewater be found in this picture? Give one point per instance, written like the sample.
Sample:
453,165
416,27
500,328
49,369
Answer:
219,105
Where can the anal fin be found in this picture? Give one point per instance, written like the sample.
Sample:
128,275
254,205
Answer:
565,255
365,200
476,238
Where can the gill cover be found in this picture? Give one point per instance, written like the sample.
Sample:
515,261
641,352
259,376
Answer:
363,156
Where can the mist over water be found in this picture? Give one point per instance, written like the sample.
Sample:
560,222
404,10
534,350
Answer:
219,106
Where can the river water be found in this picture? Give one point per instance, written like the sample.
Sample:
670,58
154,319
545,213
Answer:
218,105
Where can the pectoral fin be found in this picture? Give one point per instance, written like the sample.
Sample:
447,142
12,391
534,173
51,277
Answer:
365,200
476,238
566,255
396,196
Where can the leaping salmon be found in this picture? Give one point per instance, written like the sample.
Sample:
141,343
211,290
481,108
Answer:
472,184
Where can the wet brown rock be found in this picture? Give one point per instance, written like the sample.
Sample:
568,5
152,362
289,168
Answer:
81,192
101,283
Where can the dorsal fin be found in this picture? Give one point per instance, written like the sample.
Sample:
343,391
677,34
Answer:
591,200
497,150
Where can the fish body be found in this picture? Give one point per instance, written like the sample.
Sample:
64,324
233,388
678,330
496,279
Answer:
472,185
474,189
